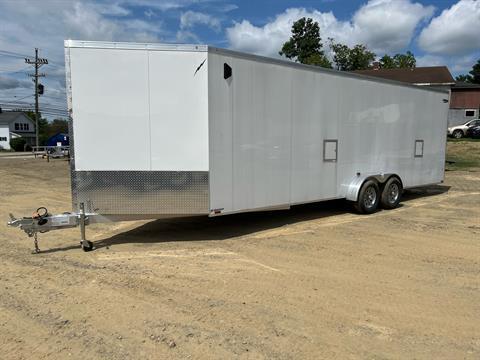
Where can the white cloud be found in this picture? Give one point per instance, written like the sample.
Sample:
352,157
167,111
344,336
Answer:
9,83
268,39
112,9
185,36
149,13
430,60
226,7
388,25
163,5
190,19
463,64
25,26
383,25
455,31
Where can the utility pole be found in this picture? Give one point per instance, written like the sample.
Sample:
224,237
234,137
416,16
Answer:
36,63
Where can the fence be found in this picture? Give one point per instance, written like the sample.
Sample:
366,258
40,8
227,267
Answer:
51,151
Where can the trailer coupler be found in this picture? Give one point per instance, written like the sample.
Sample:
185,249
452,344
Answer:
41,222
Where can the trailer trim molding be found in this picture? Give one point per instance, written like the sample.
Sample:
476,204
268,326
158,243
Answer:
134,46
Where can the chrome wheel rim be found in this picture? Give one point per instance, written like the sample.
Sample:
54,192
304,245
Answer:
457,135
393,192
370,197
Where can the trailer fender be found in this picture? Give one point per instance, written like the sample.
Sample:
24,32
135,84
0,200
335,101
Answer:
353,188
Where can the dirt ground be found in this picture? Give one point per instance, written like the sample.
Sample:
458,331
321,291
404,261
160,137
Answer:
318,281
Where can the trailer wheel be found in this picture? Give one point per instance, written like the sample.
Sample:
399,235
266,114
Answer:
87,245
391,194
368,197
457,134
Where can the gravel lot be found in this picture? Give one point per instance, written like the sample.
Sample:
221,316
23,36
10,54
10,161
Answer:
318,281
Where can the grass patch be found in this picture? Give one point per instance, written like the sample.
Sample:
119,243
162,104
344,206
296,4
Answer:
464,153
462,140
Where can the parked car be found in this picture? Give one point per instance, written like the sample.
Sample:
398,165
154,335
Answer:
474,132
460,131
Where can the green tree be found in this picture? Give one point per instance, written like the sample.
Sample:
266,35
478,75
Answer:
406,60
341,55
387,62
18,144
44,131
473,76
475,73
351,59
398,61
464,78
57,126
305,44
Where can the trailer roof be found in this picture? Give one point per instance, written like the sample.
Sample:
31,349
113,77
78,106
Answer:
206,48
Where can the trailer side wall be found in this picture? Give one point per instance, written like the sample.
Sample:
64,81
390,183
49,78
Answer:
282,134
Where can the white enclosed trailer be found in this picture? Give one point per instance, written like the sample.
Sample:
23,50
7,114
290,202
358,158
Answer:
163,130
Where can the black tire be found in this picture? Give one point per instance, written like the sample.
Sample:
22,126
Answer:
368,197
87,245
391,193
457,134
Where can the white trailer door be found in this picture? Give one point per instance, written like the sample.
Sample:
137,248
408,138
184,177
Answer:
250,119
139,109
315,146
110,108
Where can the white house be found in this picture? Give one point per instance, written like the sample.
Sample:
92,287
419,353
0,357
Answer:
15,124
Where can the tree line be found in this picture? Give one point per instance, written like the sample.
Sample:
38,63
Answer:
305,46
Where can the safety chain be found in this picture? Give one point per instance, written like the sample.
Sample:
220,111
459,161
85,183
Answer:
35,242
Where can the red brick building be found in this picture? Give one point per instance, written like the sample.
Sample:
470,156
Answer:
464,103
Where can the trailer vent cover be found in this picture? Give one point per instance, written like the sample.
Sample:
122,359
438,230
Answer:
227,71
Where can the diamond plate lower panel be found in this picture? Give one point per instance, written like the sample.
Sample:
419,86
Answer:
141,192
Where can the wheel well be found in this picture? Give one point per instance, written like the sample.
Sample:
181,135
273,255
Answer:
382,179
381,184
353,189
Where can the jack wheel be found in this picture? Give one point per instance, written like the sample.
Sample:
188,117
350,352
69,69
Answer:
87,245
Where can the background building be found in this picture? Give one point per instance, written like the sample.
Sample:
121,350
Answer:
464,103
435,76
15,124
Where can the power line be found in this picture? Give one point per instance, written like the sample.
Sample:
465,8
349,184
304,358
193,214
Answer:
13,71
2,53
31,108
12,53
23,97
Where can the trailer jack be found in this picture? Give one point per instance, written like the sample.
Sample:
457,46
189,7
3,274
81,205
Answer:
41,222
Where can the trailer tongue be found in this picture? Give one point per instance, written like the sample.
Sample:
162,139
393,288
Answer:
41,222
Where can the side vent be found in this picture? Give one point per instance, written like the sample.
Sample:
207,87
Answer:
227,71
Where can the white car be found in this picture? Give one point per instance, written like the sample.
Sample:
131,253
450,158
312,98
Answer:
460,131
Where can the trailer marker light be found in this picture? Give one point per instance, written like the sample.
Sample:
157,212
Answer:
227,71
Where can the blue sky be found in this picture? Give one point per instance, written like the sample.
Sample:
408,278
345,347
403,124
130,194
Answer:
442,32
